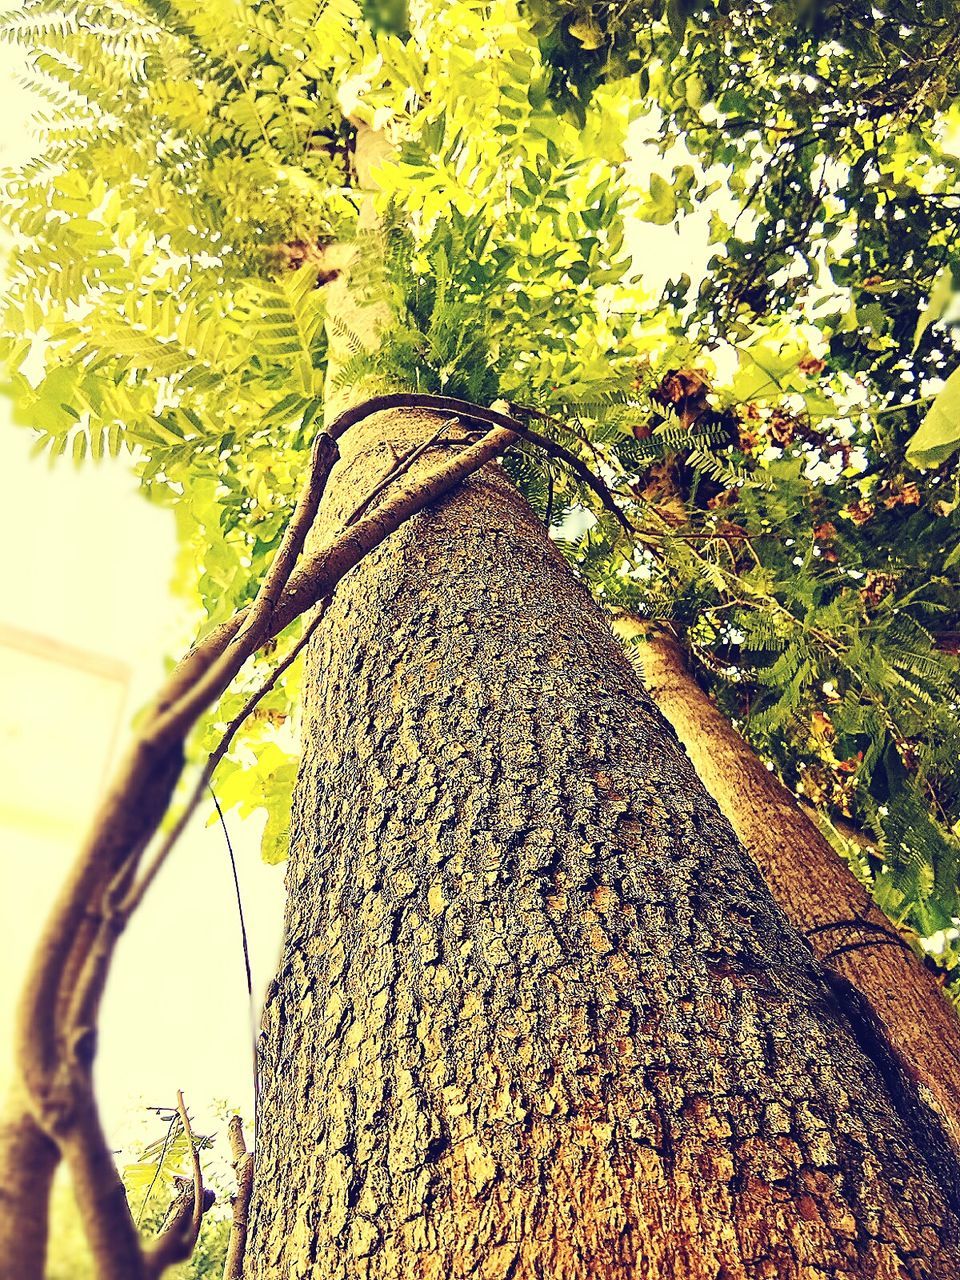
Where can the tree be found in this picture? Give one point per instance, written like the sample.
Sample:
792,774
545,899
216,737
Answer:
502,1042
565,969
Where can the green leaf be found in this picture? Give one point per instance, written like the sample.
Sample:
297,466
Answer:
695,90
587,32
531,181
661,207
275,844
939,433
940,294
766,363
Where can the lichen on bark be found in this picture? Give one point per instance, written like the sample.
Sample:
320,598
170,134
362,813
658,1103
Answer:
536,1013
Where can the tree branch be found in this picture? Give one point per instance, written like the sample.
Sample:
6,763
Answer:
257,620
243,1168
321,571
101,1197
56,1029
29,1161
197,1171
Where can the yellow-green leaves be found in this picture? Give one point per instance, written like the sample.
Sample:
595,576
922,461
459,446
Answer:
695,90
661,206
938,436
152,1178
261,780
586,31
769,363
941,294
284,318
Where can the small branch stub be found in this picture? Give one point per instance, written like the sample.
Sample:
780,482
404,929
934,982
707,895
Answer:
243,1168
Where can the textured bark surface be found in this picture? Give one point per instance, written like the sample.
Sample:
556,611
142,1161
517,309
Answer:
536,1014
814,886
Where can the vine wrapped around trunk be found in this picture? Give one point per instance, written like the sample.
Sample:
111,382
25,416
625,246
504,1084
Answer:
536,1013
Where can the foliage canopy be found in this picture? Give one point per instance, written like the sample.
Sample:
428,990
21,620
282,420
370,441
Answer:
765,424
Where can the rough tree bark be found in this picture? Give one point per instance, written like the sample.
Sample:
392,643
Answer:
536,1013
813,885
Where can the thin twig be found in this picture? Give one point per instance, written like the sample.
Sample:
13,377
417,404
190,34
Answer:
246,959
197,1171
163,1151
399,468
136,894
236,885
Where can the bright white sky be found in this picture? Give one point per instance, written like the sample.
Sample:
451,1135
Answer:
86,618
87,566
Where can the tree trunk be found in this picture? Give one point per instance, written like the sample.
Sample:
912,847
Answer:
537,1014
814,886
